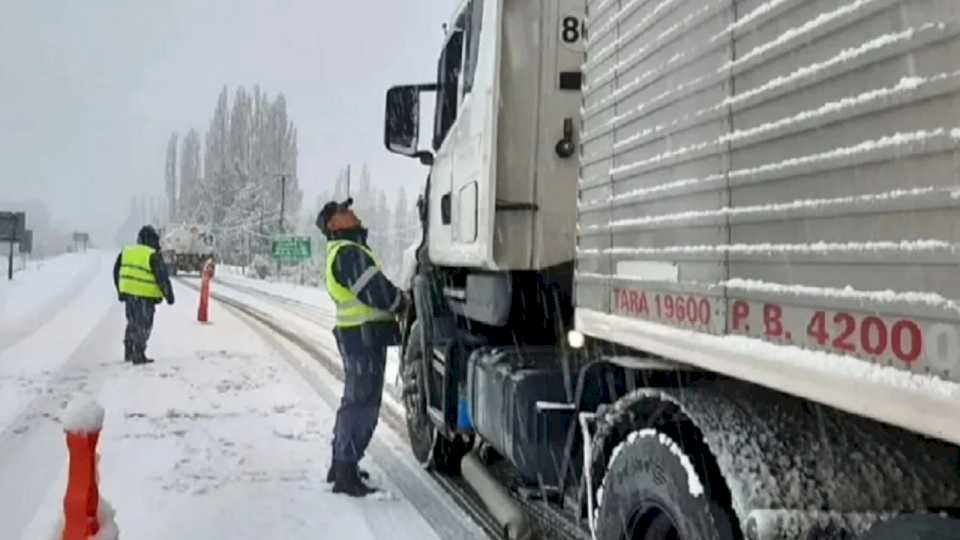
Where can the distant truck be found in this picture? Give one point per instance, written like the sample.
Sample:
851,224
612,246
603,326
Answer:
186,247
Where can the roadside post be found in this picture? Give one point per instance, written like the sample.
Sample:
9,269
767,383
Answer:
207,275
12,230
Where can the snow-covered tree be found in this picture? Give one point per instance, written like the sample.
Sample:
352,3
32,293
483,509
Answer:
170,177
250,145
189,200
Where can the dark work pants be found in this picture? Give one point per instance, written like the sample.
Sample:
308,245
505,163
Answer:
139,323
360,405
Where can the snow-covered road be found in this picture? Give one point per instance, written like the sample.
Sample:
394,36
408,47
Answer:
225,436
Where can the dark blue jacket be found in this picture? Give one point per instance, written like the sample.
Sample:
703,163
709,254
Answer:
379,292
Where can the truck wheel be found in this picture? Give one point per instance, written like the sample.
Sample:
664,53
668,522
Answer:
651,491
429,446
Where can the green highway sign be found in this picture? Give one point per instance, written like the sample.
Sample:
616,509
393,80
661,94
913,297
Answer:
292,248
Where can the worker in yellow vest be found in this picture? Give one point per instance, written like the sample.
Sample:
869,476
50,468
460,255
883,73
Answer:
368,305
140,276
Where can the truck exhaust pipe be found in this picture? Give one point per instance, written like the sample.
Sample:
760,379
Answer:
495,497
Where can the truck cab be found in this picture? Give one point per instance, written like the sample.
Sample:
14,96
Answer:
501,195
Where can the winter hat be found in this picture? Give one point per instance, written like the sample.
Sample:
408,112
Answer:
329,210
148,236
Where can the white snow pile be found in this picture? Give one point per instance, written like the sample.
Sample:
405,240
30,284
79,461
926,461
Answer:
655,44
640,193
694,485
108,527
871,199
83,415
651,15
663,156
874,145
819,248
775,523
809,26
748,19
933,300
905,85
805,72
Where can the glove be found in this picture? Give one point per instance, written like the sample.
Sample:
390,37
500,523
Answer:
169,301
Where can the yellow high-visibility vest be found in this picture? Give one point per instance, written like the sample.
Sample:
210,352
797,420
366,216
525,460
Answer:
351,312
136,278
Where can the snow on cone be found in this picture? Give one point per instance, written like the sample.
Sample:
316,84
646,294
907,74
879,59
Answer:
85,515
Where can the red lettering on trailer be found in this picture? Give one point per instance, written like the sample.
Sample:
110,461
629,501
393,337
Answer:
849,325
673,309
912,331
640,307
873,336
867,335
741,310
817,329
704,311
773,320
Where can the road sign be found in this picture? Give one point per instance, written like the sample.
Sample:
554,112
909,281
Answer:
12,225
26,241
291,248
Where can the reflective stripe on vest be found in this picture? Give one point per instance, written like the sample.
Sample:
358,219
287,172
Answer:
351,312
136,278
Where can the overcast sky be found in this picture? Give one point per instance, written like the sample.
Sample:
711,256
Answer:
90,91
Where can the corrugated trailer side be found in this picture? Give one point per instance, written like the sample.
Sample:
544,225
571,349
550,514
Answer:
769,189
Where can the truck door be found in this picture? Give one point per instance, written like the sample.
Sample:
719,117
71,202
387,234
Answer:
444,142
475,94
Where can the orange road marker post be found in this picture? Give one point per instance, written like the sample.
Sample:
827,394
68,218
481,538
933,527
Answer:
85,515
207,275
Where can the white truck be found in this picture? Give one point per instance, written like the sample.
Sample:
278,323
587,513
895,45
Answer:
186,247
690,267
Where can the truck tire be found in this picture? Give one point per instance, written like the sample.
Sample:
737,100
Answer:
651,491
429,446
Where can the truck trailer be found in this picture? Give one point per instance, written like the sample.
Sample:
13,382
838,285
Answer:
186,247
690,267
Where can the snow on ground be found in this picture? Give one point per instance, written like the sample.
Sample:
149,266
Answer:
227,435
37,291
308,309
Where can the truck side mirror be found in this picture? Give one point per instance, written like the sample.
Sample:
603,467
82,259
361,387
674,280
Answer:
402,121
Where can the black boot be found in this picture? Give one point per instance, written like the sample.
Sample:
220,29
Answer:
332,474
347,480
140,356
127,352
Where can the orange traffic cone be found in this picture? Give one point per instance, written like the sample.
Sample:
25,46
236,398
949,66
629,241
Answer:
82,500
202,312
